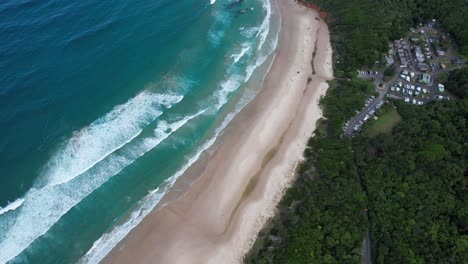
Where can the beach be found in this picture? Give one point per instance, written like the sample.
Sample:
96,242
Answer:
236,189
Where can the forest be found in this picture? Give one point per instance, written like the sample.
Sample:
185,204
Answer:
416,185
410,178
457,83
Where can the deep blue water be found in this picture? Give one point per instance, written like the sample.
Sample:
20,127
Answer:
103,104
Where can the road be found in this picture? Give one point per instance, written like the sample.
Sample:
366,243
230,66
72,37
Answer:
361,115
382,90
366,250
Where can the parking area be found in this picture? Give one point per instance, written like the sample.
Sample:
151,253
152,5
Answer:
367,113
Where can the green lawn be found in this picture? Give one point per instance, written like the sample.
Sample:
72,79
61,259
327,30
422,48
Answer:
384,124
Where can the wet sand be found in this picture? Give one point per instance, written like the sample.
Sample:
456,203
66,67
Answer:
237,189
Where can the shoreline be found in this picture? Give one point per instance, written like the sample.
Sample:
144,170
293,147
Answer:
237,189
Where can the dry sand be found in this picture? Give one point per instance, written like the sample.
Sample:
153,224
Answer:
218,217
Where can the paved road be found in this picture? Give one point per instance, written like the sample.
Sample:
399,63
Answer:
378,79
366,250
361,115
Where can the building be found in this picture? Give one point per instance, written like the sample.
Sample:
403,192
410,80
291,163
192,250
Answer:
456,61
440,53
441,87
403,63
389,60
423,67
425,78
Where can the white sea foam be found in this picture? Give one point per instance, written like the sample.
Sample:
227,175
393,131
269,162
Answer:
237,57
108,241
251,68
212,1
12,206
162,131
263,57
43,207
235,81
227,87
265,27
250,32
109,133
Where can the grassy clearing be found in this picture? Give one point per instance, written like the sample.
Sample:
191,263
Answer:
384,124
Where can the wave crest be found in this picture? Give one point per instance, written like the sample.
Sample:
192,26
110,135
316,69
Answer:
109,133
12,206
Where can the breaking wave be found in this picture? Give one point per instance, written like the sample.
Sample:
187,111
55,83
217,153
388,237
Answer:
265,27
12,206
237,57
43,207
104,136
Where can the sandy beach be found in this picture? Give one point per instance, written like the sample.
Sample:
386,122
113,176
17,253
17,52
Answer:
217,219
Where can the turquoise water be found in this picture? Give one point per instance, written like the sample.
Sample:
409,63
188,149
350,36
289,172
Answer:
104,104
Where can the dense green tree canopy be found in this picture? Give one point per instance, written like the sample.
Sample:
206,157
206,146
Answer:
457,83
416,185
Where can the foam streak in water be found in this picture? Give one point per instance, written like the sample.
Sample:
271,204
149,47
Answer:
12,206
109,133
241,54
265,27
227,87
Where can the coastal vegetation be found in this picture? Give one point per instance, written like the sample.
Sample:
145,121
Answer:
414,180
406,170
457,83
389,73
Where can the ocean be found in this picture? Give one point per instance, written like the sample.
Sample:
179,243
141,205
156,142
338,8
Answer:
104,104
